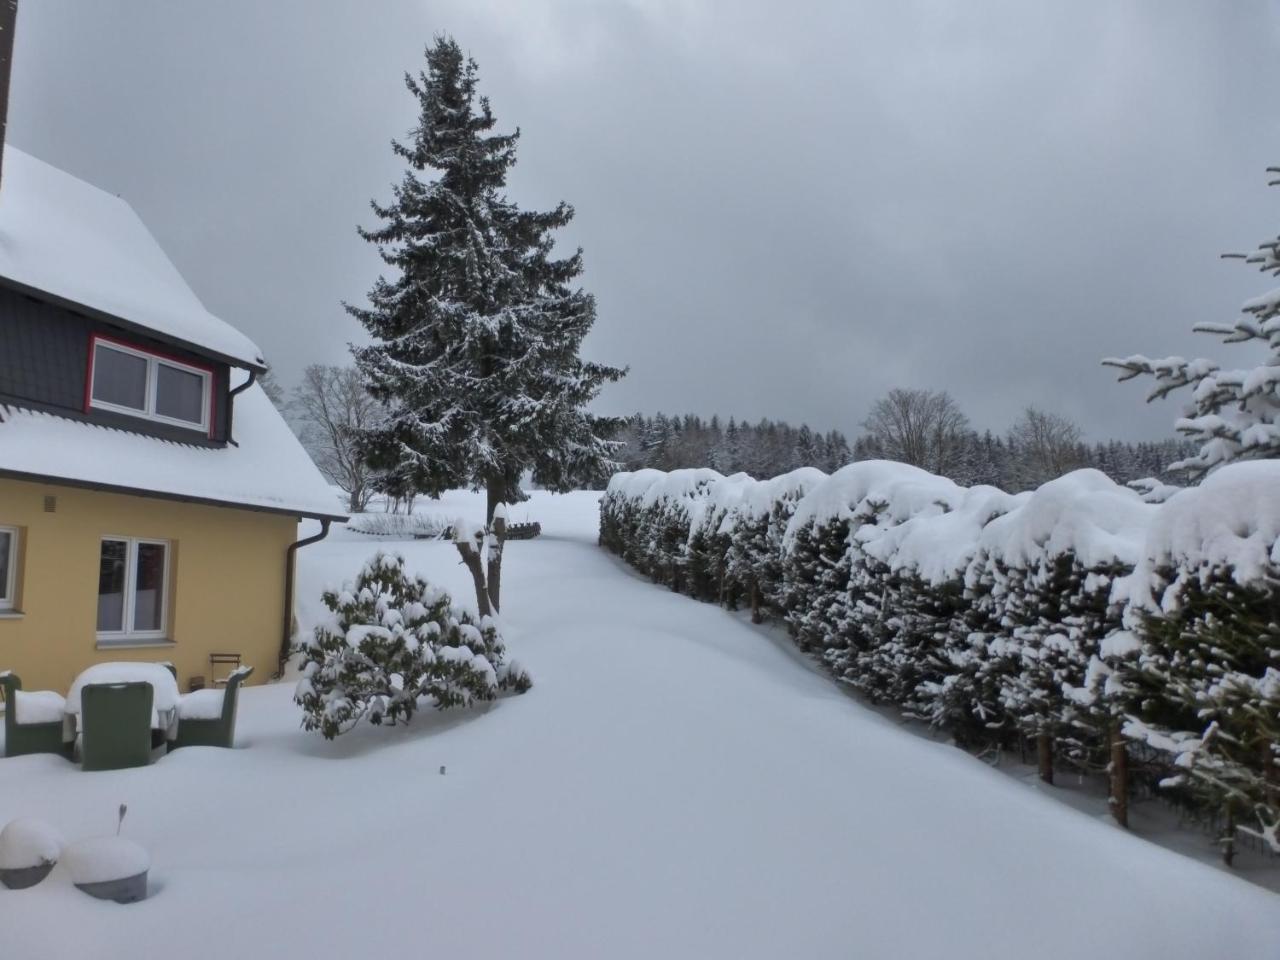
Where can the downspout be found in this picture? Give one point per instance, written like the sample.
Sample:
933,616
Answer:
231,404
8,22
290,563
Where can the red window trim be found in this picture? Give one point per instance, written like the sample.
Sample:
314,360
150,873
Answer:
94,337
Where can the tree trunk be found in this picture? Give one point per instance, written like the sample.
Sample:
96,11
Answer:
471,558
493,490
1118,771
1269,773
1229,835
1044,756
756,615
497,541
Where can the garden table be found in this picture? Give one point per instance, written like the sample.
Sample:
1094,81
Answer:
164,686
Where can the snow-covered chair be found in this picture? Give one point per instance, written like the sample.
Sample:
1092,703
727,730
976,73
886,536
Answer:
115,729
32,719
207,718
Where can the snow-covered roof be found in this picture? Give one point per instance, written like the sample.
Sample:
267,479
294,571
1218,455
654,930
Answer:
68,239
267,469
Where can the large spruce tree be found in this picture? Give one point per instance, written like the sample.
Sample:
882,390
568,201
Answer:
477,330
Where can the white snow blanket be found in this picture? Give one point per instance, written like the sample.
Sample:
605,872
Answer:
653,795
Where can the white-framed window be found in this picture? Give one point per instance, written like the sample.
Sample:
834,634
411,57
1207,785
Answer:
133,589
125,379
8,567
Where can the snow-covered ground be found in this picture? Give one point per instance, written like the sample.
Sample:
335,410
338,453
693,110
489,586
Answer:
677,784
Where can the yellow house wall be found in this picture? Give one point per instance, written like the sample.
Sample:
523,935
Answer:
226,582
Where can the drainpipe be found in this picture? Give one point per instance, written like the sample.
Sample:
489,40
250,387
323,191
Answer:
8,21
231,404
286,636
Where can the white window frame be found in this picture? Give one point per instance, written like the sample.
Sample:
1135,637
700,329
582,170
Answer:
154,362
128,634
9,587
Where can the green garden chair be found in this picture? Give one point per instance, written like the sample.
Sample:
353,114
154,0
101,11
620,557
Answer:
115,725
43,736
207,718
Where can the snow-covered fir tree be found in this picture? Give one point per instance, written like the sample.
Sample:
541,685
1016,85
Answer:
1232,414
476,332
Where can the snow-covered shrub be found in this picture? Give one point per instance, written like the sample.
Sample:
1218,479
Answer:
922,564
710,533
1046,574
667,509
403,526
391,641
621,514
1200,674
1077,615
755,529
830,589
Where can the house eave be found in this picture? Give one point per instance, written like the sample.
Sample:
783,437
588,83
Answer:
126,324
173,497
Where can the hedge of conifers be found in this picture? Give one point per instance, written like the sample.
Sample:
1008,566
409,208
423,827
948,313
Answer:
1078,621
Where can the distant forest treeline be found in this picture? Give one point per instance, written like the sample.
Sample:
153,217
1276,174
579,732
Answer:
773,447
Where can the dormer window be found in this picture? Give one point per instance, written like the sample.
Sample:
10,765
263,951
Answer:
127,379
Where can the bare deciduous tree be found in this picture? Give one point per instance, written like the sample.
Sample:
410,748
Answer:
1047,445
922,427
331,408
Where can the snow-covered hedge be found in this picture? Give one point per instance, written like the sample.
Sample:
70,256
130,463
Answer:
391,641
1081,616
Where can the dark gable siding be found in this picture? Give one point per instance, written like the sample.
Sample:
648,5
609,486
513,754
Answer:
44,357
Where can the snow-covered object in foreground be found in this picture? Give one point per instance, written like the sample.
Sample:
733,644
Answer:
391,641
28,850
99,859
38,706
109,868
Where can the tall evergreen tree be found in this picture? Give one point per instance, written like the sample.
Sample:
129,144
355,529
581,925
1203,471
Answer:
477,332
1232,414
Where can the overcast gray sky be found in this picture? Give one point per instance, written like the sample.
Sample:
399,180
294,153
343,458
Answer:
786,209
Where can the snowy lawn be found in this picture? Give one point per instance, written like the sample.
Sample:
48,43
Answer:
677,784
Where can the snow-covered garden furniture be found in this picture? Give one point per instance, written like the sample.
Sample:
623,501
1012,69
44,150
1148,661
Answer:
161,677
109,868
28,850
207,718
223,660
32,719
115,725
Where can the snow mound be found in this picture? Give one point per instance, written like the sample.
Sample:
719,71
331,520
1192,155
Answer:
201,705
939,547
680,485
100,859
38,706
1084,513
1231,520
758,501
28,843
897,491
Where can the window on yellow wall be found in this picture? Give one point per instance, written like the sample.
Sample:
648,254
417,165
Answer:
133,589
8,567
